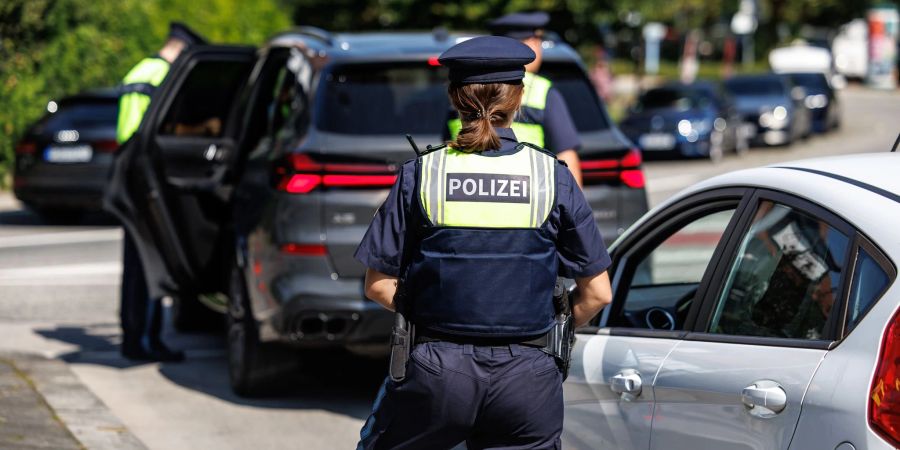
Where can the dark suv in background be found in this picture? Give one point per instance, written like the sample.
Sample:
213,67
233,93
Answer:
63,160
261,221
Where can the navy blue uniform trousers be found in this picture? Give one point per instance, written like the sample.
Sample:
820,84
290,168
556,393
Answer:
504,397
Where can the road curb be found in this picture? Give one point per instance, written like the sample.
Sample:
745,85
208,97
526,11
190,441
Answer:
85,416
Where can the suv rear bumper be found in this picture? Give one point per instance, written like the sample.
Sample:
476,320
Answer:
316,313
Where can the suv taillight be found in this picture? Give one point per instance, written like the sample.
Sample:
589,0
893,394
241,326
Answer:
302,174
626,170
884,398
26,148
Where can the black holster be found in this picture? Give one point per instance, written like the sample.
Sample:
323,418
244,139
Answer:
561,338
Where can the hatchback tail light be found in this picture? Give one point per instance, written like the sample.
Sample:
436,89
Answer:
301,174
304,249
26,148
626,170
105,146
884,398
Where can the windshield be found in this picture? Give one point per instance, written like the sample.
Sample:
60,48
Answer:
768,86
79,116
411,97
672,98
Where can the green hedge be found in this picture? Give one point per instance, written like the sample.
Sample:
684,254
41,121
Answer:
53,48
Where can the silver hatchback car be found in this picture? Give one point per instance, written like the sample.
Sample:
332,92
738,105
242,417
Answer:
755,310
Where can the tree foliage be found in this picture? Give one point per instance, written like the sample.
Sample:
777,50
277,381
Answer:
52,48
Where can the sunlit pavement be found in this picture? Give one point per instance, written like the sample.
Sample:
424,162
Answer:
59,298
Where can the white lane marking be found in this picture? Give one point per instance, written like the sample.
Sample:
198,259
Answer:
87,274
69,237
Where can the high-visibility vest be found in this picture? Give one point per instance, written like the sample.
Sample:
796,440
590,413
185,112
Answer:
484,266
136,90
528,124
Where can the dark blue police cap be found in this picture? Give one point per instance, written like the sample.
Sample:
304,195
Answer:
487,59
519,25
182,32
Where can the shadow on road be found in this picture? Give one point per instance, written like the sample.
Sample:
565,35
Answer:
334,381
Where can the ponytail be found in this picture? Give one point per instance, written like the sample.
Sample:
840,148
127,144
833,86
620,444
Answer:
482,107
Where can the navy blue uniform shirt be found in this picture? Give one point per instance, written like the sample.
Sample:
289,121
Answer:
571,223
559,128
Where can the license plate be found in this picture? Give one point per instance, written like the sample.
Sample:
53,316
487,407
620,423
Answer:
657,141
68,155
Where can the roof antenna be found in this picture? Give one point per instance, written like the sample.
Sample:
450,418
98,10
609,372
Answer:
897,142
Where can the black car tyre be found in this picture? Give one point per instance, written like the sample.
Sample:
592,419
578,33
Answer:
59,216
252,365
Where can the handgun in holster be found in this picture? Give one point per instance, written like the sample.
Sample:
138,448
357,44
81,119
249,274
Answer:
561,338
402,337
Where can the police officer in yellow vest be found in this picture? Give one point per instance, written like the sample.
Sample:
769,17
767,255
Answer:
544,118
474,235
141,316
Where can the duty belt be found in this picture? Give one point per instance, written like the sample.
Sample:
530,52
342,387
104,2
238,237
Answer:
424,336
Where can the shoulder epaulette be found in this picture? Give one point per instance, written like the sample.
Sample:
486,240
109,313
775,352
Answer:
535,147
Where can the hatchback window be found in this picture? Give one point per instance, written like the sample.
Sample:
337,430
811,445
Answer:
384,99
814,83
581,99
869,282
678,99
664,282
755,86
79,116
785,279
201,106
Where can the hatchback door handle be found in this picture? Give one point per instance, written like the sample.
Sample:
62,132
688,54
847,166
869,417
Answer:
764,398
627,383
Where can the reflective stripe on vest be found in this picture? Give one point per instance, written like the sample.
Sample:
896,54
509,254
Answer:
528,124
459,189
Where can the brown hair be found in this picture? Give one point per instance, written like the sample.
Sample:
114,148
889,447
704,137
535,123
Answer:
482,107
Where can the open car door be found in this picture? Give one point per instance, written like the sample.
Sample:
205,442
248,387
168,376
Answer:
170,184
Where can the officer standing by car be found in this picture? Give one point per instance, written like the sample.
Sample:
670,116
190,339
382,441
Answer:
140,315
473,236
544,118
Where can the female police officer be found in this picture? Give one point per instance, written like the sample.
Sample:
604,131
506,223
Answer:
478,231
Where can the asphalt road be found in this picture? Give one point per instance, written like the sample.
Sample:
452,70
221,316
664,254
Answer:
58,297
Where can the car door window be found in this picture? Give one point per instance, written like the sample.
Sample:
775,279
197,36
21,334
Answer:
786,277
204,99
665,280
869,281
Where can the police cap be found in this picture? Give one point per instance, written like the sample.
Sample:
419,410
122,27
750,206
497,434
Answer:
487,59
182,32
519,25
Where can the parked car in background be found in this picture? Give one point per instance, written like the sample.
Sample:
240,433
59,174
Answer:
63,160
773,107
758,310
261,221
693,120
821,99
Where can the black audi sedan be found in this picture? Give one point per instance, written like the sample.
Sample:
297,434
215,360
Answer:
692,120
260,222
63,159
